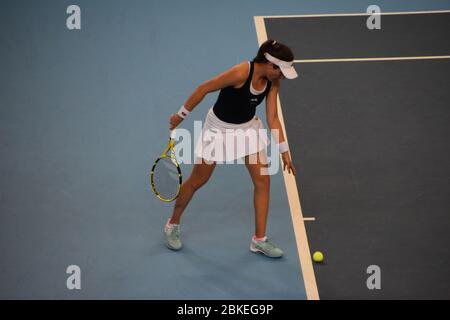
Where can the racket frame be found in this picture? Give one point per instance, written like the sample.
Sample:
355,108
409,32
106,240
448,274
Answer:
167,153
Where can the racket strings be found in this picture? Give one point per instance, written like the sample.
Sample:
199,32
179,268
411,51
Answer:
166,180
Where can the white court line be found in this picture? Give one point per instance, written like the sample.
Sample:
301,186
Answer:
309,219
294,201
361,14
372,59
352,14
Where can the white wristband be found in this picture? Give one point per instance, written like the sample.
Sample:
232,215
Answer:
183,112
283,147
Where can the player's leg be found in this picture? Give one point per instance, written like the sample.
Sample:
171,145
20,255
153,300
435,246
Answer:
199,176
258,169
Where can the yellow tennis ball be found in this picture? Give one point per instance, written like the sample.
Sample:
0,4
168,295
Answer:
318,256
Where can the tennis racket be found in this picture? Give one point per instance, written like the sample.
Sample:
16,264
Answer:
165,177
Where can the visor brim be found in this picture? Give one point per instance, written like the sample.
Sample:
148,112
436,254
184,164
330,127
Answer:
289,72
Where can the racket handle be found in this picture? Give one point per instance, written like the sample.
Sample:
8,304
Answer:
172,134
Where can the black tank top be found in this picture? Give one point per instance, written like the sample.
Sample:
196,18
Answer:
239,105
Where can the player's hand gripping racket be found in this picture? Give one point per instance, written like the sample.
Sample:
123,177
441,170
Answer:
165,177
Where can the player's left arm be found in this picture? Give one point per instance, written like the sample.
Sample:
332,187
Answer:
271,112
275,125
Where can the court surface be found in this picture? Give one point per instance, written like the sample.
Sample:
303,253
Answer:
84,113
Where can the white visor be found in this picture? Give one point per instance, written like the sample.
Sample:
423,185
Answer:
286,67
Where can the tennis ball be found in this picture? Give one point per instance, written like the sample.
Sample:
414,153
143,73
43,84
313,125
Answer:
318,256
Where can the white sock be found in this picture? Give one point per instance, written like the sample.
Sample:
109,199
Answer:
254,238
170,225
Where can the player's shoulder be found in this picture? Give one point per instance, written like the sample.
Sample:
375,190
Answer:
241,69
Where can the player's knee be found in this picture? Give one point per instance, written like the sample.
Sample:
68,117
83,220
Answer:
198,183
262,181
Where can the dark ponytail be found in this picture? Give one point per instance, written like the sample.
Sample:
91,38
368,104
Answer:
274,48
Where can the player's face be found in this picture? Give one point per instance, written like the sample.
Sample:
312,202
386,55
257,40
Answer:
274,73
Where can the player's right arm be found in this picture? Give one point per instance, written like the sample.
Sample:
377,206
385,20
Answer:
234,76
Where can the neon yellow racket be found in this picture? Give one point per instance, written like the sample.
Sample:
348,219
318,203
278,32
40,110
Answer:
165,177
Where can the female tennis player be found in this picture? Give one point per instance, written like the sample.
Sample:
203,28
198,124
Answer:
232,131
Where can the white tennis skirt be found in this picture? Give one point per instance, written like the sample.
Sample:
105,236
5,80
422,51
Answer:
221,141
